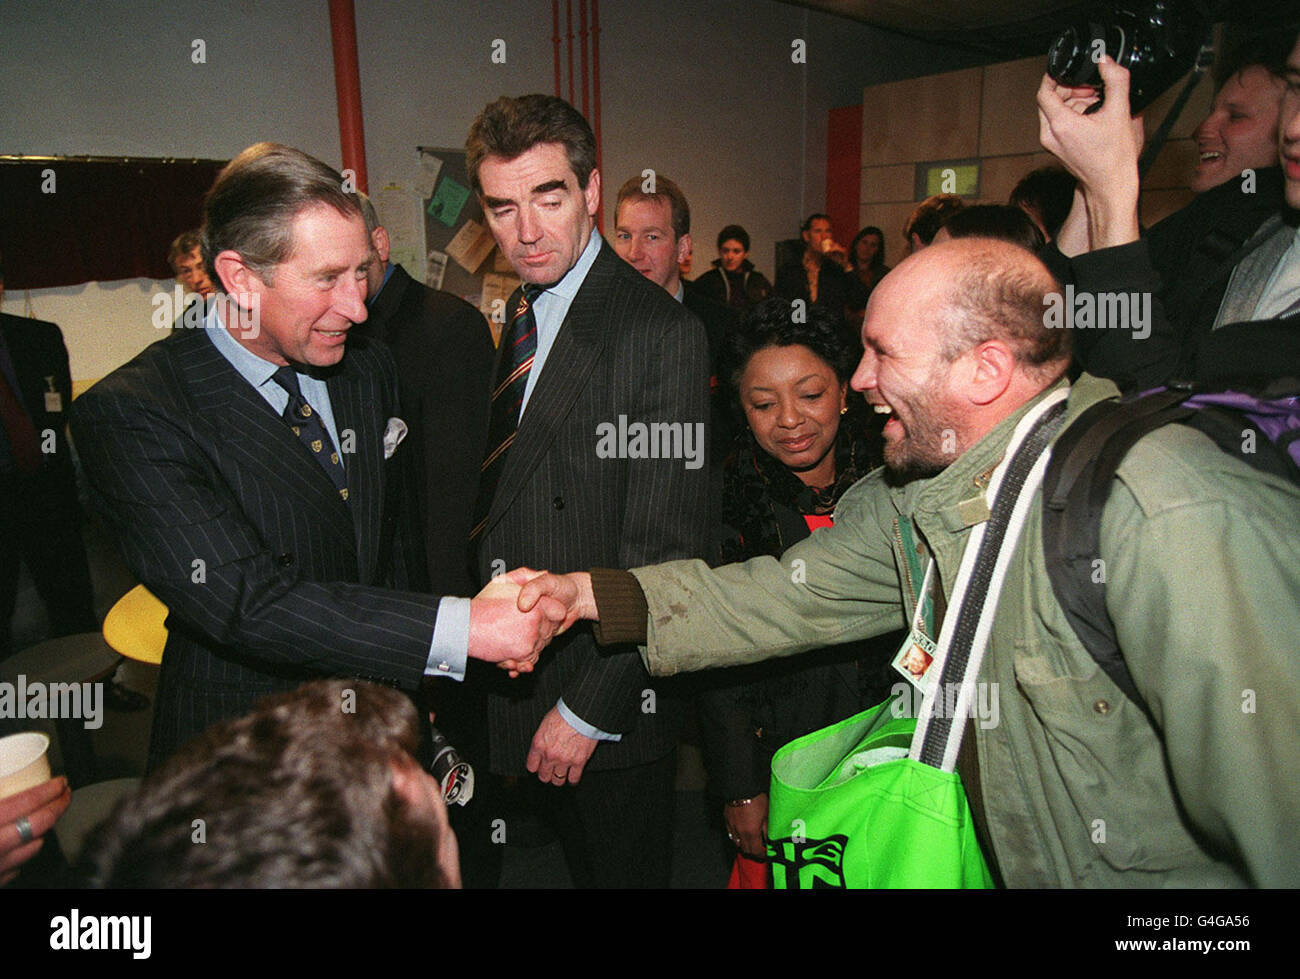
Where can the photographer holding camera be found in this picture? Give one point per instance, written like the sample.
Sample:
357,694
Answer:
1229,257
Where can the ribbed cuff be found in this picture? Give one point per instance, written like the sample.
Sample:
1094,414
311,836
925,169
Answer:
621,605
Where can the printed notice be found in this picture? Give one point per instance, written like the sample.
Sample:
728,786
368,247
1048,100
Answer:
470,246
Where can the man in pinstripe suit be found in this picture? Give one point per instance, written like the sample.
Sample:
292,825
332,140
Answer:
594,347
243,466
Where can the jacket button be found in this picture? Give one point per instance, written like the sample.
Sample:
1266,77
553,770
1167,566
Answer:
558,503
1101,707
284,560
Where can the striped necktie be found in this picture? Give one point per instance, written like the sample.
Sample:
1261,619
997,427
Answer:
515,363
307,425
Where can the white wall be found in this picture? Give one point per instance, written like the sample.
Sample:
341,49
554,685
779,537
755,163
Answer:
703,90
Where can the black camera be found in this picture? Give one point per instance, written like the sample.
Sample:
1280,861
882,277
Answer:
1156,40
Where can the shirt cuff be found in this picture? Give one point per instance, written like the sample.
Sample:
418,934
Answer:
449,650
581,726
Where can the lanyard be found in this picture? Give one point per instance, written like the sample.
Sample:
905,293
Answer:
923,616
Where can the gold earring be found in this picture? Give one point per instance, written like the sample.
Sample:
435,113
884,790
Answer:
844,410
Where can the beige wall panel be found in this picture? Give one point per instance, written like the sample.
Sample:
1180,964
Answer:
1173,167
881,185
1159,204
998,174
1009,123
930,118
889,218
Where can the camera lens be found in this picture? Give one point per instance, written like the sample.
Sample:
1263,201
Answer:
1067,57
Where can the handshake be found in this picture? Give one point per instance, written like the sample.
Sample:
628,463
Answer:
517,614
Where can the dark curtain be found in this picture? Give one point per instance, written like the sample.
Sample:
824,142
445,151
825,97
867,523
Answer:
103,221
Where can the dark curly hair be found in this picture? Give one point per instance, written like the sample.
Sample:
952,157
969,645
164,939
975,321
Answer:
779,323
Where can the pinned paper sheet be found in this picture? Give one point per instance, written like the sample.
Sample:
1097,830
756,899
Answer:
398,213
470,246
448,201
426,175
435,270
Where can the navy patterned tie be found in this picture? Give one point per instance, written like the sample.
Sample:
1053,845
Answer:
507,399
307,425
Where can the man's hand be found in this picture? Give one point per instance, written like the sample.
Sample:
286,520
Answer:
558,752
501,632
1100,149
747,826
572,591
40,807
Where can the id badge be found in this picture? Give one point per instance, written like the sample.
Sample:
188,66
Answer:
53,399
914,659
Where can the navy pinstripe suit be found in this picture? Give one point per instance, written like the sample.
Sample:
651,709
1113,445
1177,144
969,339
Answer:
626,348
224,515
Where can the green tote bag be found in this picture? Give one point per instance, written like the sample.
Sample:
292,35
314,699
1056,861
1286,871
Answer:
848,808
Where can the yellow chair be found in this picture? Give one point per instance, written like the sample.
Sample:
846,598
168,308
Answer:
136,626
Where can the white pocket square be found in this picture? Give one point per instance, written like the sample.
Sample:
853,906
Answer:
393,435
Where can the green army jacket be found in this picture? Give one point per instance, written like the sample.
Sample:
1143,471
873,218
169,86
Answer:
1201,562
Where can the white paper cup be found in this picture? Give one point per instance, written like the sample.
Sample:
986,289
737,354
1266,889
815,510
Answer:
24,762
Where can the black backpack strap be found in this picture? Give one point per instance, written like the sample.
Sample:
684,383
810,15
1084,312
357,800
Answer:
1075,488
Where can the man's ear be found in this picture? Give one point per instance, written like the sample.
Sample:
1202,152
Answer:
990,369
236,277
683,247
592,193
406,780
379,238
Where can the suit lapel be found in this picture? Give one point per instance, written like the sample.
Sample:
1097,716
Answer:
243,424
353,401
577,348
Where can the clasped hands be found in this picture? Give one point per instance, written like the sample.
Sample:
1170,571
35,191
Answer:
518,613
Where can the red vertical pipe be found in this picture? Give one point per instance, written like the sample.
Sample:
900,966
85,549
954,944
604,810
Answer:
844,170
568,18
595,85
582,36
347,89
555,39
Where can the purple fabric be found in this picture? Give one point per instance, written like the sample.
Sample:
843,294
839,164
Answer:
1273,418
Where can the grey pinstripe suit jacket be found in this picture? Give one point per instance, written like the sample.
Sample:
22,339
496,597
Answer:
224,515
626,348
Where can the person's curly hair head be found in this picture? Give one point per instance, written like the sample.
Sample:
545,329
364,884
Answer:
778,322
299,793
